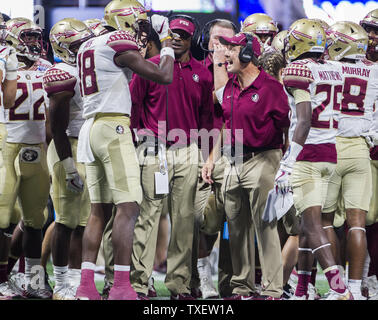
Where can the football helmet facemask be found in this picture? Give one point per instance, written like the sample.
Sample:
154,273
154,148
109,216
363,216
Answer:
26,37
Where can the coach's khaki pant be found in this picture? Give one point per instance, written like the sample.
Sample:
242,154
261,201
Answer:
209,219
27,180
72,209
182,171
246,190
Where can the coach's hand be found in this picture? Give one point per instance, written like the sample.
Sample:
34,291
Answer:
160,25
74,182
207,171
282,179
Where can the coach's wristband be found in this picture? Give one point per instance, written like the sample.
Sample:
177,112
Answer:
167,51
69,165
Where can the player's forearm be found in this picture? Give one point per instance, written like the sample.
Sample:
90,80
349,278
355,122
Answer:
9,93
62,144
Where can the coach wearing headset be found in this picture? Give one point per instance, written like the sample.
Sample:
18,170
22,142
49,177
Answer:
255,110
168,158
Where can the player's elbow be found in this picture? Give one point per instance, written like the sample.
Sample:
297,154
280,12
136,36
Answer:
166,79
9,100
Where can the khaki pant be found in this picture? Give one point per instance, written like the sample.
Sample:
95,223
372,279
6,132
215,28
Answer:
183,181
310,181
114,175
209,219
372,216
71,209
352,177
246,190
16,215
26,176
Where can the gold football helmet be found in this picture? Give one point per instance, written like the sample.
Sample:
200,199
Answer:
278,42
368,23
262,25
304,35
324,24
26,37
3,28
128,15
347,40
95,25
66,36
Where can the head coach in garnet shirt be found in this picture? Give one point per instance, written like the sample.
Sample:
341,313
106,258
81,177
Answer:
254,104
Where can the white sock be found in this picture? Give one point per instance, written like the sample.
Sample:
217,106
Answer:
34,273
74,276
119,267
202,262
88,266
355,286
60,275
366,266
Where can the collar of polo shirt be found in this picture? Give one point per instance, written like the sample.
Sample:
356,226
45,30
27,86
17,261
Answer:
258,83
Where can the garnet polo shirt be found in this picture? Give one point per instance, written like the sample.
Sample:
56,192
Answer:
260,110
190,100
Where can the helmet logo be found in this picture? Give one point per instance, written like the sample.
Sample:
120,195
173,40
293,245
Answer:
18,24
66,34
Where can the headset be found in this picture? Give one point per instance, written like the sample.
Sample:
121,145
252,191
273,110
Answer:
196,38
246,53
205,34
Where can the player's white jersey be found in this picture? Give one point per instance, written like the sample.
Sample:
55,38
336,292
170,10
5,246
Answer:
360,93
104,85
25,121
323,81
64,77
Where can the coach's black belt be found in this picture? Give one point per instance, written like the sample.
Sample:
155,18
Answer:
248,152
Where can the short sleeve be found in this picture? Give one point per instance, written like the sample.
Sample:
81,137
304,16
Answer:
57,80
121,41
297,76
219,94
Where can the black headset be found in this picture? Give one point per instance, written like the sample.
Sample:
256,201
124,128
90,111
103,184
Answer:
205,34
196,38
246,53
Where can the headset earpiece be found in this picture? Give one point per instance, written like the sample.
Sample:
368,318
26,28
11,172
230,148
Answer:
205,34
246,53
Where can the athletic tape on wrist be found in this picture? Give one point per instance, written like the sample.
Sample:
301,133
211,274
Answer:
69,165
167,51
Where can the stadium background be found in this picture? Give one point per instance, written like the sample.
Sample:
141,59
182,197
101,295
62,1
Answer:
47,12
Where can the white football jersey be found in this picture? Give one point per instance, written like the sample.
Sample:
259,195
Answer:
104,85
323,81
25,121
64,77
360,93
4,53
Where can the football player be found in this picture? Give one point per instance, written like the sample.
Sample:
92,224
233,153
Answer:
370,24
8,88
311,157
96,26
24,152
352,177
262,25
105,142
69,191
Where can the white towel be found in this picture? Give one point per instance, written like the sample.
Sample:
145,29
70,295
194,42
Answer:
84,151
277,205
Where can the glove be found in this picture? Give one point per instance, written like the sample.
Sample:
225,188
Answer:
282,179
371,138
73,179
11,65
160,25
